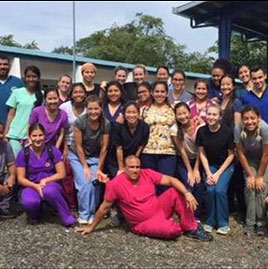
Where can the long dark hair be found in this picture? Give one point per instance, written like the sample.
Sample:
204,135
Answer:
163,83
38,92
119,86
36,126
79,84
255,110
177,106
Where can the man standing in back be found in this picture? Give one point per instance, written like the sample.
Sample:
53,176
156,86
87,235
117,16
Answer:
7,84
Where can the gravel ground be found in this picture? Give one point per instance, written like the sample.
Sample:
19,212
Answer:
50,245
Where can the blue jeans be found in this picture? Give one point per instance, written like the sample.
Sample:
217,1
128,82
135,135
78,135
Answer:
217,199
88,195
162,163
197,190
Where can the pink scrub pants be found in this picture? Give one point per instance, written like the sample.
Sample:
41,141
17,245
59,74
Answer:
162,225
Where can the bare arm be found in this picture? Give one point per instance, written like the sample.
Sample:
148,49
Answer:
119,155
204,160
139,151
79,146
237,118
175,183
60,138
10,117
264,161
226,163
59,175
80,152
12,175
104,150
243,160
104,208
183,152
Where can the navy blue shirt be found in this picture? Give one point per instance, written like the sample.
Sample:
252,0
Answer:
6,89
261,102
214,91
108,115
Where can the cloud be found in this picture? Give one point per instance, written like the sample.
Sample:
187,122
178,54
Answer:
50,23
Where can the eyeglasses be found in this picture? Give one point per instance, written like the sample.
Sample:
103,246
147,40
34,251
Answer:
178,80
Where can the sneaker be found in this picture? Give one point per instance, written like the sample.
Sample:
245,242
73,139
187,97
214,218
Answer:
33,221
260,230
249,230
200,235
82,221
115,219
7,215
223,230
208,228
91,219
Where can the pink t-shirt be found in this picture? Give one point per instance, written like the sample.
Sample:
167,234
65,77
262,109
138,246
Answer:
137,202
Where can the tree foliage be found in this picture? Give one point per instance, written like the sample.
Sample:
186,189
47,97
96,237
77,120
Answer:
250,53
8,40
143,40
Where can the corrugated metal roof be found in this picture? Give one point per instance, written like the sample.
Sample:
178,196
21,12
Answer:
248,17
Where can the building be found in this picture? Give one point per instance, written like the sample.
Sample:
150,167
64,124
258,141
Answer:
54,65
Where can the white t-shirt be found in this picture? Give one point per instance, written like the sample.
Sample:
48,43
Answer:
188,142
69,135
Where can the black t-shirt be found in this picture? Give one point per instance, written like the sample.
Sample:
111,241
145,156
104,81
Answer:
216,144
96,90
130,91
131,143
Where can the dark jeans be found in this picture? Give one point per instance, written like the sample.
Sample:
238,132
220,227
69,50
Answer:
162,163
236,190
197,190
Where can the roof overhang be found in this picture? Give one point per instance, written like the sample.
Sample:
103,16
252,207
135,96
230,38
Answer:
249,18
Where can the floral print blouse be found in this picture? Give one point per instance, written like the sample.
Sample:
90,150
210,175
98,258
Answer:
160,122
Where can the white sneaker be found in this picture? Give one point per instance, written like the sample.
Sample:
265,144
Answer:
208,228
82,221
223,230
91,219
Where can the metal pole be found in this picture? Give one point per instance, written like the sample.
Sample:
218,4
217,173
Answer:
74,45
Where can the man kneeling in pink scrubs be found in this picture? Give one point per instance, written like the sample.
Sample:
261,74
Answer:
146,213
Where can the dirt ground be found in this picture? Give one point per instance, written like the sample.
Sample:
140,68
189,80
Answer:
50,245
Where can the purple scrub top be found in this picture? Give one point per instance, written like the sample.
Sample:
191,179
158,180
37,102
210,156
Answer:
52,127
39,168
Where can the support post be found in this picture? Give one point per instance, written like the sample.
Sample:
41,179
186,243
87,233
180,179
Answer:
225,31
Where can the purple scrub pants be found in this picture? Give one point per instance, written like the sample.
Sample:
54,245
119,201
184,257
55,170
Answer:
53,195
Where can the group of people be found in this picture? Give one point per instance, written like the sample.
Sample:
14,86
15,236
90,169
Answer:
141,150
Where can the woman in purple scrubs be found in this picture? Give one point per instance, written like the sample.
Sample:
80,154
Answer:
40,169
52,118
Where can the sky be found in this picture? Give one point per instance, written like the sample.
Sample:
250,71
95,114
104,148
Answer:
50,23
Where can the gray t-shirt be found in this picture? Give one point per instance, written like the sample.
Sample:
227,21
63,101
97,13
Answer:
6,157
91,139
253,146
185,97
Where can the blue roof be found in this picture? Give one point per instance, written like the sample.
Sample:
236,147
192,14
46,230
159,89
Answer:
21,52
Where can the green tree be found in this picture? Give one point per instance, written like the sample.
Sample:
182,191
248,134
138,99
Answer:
8,40
143,40
63,50
250,53
33,45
